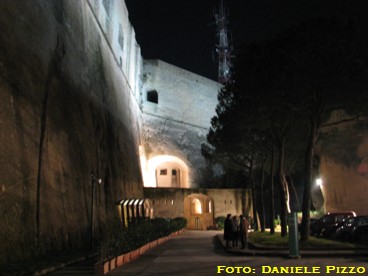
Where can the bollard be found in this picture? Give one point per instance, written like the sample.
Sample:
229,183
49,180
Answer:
293,236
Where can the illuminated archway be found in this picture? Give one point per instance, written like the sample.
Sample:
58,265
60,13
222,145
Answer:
198,211
166,171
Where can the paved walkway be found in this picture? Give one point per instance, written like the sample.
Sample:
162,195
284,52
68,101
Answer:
191,253
202,253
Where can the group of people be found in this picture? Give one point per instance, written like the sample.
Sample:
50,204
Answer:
236,230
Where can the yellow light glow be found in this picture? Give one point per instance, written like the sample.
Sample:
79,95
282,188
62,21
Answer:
197,206
149,169
319,182
143,160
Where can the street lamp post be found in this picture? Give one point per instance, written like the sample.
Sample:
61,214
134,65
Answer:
94,180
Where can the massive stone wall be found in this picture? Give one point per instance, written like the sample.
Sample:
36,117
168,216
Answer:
343,151
343,188
69,115
178,123
182,95
344,170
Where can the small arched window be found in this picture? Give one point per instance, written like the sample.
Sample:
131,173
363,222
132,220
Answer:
152,96
197,206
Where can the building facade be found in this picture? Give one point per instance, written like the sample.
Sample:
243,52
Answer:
199,206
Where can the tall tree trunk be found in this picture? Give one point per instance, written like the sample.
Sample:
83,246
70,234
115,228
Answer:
254,200
291,183
283,190
272,194
261,205
315,124
245,210
307,193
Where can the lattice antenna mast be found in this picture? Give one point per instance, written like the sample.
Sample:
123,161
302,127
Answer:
223,48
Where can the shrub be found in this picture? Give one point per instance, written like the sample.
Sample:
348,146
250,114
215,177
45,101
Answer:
137,234
177,223
220,221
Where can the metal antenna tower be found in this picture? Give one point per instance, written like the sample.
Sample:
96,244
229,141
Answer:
223,48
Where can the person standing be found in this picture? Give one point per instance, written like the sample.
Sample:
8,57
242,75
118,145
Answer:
243,231
228,230
235,230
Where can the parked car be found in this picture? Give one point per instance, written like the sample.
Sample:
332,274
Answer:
312,226
329,222
361,234
347,230
329,231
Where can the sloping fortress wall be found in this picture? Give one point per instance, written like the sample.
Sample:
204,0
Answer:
343,188
78,112
344,167
177,108
70,121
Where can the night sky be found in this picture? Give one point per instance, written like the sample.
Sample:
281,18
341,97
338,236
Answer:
182,32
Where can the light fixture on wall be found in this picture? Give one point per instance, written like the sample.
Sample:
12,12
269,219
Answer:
319,182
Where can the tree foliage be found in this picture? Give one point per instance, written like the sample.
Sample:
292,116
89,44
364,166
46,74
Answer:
283,90
326,70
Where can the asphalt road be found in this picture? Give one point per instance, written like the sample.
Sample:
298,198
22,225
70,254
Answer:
200,253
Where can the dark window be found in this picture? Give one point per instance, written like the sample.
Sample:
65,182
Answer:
163,172
173,172
152,96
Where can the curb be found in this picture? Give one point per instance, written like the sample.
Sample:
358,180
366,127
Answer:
108,265
259,250
60,265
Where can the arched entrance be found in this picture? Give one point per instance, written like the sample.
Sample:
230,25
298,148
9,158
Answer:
166,171
198,210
